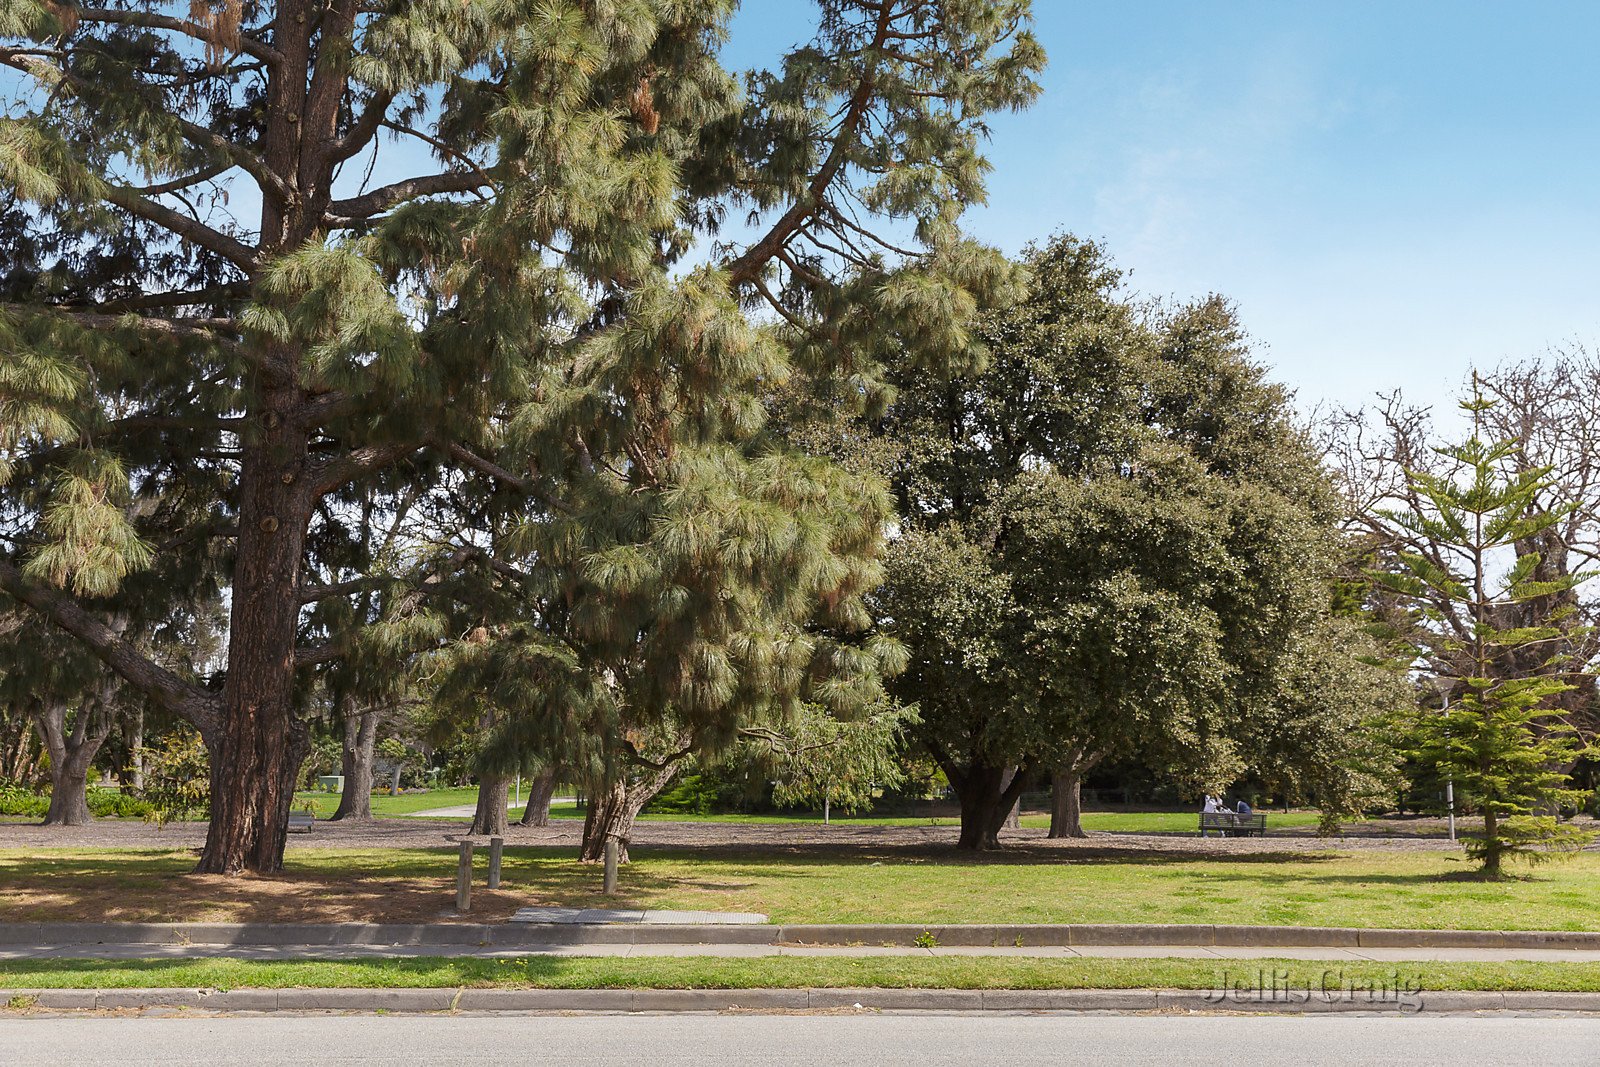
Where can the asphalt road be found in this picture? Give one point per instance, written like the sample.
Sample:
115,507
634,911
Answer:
920,1040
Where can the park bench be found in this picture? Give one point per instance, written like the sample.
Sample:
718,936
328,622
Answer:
300,822
1227,824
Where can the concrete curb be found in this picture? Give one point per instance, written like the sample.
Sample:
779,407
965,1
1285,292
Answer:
710,1000
515,935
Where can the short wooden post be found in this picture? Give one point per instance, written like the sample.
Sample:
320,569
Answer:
464,879
496,847
611,865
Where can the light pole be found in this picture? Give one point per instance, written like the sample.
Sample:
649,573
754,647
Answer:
1444,685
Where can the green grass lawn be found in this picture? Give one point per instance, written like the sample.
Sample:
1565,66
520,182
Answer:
577,972
1365,888
383,805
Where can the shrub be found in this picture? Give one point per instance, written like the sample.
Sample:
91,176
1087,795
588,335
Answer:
107,803
15,800
177,779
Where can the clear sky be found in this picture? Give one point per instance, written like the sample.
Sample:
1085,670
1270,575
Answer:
1391,191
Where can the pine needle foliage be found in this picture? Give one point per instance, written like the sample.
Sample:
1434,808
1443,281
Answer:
490,265
1504,738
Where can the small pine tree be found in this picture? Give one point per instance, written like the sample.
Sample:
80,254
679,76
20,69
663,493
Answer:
1503,739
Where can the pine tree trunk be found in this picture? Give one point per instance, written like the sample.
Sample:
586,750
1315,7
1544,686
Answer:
493,795
360,745
1491,841
540,791
614,809
260,744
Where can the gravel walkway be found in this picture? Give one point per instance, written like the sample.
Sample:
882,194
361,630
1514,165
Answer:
713,837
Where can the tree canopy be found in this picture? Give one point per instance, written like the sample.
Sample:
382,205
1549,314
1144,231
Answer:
294,264
1116,542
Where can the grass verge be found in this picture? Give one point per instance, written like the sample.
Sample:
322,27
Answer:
1086,885
572,972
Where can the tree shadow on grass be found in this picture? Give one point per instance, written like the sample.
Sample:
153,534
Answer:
417,885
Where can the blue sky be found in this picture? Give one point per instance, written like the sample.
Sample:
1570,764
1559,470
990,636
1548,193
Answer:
1392,192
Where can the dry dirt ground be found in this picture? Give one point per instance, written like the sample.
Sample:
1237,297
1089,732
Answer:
1403,835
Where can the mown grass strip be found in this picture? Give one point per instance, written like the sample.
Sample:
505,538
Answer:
544,972
1423,890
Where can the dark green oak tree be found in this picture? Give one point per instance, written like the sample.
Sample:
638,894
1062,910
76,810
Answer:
1115,539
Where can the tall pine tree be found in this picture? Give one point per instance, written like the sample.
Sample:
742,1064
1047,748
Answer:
205,289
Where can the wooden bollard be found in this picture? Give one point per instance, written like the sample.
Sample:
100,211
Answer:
464,879
611,865
496,847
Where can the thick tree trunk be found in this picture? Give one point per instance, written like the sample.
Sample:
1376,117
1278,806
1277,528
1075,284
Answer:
987,795
360,746
493,795
69,788
256,755
1066,796
72,752
1066,804
614,808
540,790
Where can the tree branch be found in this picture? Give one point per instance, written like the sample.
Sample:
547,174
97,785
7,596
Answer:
184,699
328,476
360,208
756,257
247,44
183,226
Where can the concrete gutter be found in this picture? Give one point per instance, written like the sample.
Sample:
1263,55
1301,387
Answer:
514,935
714,1000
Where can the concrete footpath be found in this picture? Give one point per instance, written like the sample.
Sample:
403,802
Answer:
426,939
1329,953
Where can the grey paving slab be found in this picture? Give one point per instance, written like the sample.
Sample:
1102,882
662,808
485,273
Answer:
703,918
547,915
590,916
645,917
